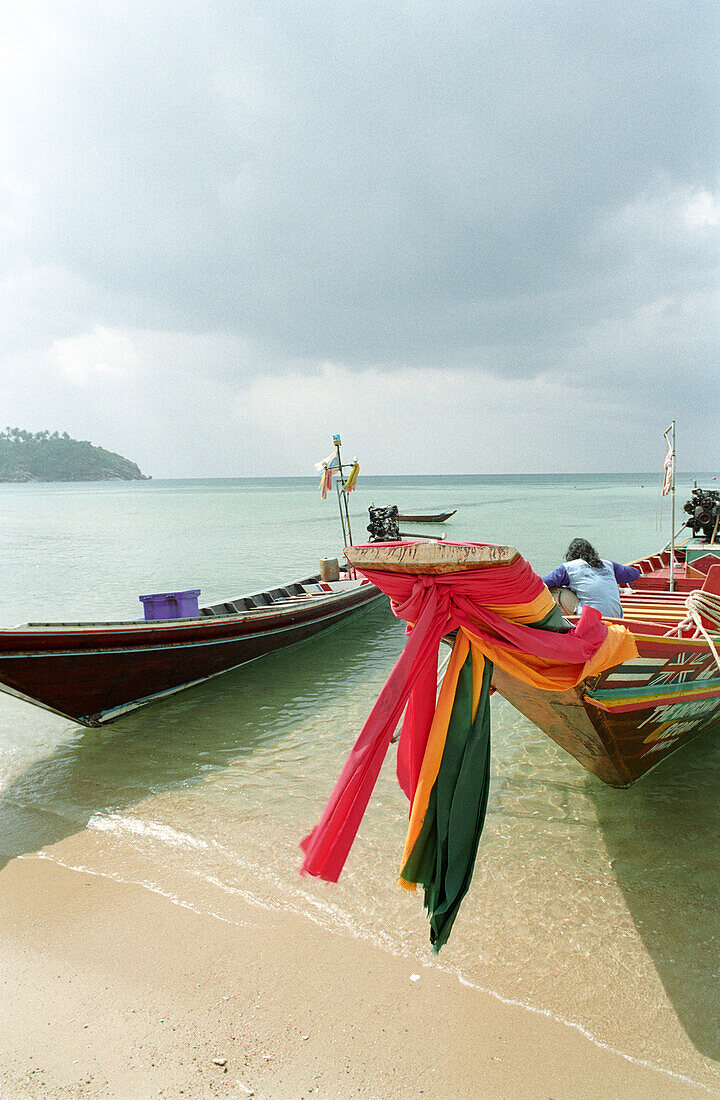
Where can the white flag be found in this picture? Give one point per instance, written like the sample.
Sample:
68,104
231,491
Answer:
668,470
331,462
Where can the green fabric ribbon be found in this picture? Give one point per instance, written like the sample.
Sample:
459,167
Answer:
443,856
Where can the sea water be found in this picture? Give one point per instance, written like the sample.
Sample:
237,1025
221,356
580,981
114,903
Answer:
597,907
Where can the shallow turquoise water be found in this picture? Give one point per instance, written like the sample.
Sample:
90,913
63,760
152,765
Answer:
599,907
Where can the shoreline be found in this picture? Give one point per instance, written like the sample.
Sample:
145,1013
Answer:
112,990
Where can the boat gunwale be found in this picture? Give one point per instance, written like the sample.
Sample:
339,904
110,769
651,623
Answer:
168,644
284,607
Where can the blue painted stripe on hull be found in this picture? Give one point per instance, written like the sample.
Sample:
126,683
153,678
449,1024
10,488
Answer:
653,690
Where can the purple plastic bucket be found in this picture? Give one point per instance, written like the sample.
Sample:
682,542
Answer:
171,605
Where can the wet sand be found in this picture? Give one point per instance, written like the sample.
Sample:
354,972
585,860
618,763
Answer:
110,990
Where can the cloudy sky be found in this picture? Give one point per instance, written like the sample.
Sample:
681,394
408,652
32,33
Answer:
471,237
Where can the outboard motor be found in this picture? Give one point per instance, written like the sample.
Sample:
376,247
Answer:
704,511
383,525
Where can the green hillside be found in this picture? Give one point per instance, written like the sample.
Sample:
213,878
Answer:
56,457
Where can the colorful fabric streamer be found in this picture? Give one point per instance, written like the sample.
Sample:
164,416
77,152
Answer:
325,482
352,477
502,614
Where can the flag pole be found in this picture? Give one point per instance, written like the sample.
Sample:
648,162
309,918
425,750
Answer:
671,457
342,495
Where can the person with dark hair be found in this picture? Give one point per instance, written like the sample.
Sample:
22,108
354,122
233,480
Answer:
585,578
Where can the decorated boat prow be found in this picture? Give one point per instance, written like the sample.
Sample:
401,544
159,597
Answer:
501,614
619,695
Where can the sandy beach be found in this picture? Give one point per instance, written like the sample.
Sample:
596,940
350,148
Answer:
109,990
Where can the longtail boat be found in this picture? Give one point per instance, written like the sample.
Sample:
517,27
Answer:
93,672
425,517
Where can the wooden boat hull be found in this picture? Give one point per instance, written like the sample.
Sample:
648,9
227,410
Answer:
629,719
93,673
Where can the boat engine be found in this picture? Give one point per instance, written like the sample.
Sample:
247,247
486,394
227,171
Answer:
383,525
704,511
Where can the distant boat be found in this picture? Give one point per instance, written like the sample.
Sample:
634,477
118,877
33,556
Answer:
425,517
94,672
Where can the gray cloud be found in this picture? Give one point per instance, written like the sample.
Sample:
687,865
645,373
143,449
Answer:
515,188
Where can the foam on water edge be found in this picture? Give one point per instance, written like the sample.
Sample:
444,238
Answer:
120,824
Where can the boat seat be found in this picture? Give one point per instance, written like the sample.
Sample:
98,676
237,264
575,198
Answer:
262,599
279,593
701,566
228,608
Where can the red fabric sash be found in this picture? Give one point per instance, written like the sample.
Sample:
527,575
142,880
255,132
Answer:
433,606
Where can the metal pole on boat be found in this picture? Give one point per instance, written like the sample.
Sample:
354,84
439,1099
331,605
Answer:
342,496
671,432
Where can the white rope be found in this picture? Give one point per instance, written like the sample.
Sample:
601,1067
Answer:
700,603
